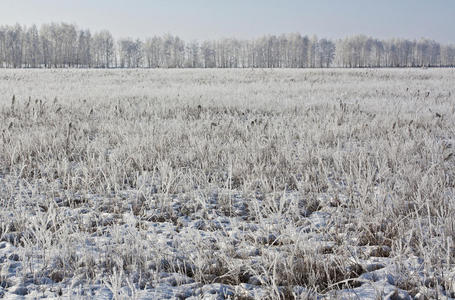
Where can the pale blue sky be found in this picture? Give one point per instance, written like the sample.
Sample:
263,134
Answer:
201,19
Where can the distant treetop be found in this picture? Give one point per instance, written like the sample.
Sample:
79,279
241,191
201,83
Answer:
62,45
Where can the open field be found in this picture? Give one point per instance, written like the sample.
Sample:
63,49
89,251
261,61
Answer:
218,184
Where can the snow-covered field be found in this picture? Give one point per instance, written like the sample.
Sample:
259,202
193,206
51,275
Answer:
227,184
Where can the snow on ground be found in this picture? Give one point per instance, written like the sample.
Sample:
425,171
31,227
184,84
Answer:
227,184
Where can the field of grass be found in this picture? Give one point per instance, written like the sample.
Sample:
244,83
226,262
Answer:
227,184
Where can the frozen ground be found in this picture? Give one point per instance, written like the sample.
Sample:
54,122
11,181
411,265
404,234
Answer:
227,184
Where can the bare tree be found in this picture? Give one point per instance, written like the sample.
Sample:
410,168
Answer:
62,45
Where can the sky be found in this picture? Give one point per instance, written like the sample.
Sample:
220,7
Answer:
212,19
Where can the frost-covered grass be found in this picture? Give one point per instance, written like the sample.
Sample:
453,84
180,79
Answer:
242,184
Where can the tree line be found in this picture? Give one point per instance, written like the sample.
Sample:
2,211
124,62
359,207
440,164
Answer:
62,45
